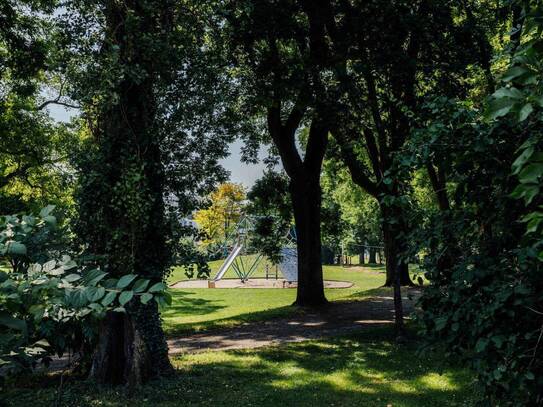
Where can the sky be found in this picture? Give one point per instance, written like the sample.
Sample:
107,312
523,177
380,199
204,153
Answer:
240,173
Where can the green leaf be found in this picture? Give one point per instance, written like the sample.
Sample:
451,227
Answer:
531,173
498,340
158,287
125,297
11,322
124,281
3,276
98,294
441,323
504,92
513,73
481,344
525,191
499,107
522,159
109,298
16,248
50,220
47,211
526,110
145,298
70,278
140,285
92,277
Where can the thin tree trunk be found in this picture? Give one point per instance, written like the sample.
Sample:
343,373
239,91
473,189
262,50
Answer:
372,259
362,255
398,306
392,252
306,200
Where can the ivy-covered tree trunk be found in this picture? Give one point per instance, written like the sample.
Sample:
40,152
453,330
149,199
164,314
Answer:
121,201
131,348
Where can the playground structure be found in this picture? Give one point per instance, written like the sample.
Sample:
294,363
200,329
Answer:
244,263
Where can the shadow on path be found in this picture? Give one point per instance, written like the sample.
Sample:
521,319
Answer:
337,318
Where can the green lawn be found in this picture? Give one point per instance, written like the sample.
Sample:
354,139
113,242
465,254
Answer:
360,370
202,309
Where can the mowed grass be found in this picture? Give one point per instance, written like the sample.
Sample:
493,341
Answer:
195,310
366,369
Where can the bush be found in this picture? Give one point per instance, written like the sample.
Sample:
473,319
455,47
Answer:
50,304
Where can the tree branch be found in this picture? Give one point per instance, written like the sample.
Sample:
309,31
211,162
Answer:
356,167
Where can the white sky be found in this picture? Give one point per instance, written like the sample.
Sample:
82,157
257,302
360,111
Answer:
241,173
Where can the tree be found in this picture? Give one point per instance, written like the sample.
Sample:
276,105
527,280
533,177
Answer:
359,216
225,210
34,169
381,73
121,196
34,157
146,83
485,307
271,208
280,74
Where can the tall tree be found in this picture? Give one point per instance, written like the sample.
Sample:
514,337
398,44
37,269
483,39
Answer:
121,195
33,149
144,73
383,70
269,44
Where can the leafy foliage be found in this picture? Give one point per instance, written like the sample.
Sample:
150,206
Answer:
486,305
50,304
271,208
219,220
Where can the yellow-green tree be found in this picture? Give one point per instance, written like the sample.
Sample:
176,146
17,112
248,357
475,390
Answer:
220,218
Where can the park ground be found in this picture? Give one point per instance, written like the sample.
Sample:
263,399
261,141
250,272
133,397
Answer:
357,367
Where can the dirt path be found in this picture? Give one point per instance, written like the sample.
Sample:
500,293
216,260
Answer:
338,318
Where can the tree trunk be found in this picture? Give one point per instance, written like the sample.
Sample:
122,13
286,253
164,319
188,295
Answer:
362,255
372,258
392,252
398,306
122,208
131,348
306,201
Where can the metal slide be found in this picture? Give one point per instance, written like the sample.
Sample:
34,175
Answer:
228,262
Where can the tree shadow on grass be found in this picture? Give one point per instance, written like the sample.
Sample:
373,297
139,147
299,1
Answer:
366,369
183,329
183,304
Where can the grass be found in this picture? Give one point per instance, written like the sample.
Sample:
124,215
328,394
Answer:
358,370
195,310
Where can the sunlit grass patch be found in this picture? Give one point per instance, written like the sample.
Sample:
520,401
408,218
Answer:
202,308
